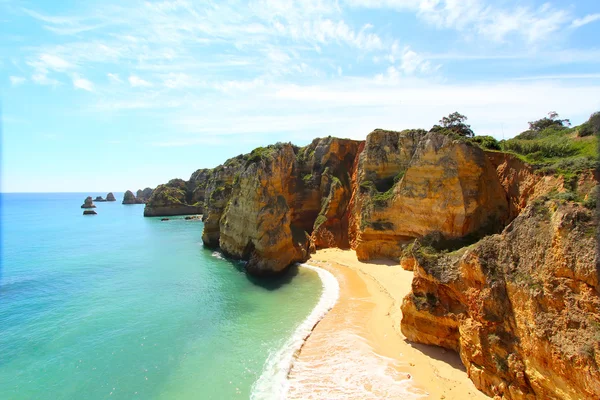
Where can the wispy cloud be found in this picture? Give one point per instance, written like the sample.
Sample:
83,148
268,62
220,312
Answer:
17,80
588,19
136,81
477,17
82,83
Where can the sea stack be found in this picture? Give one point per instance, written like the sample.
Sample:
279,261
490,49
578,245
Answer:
110,197
88,203
129,198
99,199
144,195
89,212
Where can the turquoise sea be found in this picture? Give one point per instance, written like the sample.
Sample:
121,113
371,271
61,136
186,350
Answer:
118,306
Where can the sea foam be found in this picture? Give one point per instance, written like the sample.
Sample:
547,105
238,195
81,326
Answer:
273,382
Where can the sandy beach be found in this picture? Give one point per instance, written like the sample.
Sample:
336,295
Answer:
357,351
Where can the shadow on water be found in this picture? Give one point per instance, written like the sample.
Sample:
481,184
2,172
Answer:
272,282
268,282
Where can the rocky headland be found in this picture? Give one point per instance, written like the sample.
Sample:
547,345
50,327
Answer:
502,238
179,197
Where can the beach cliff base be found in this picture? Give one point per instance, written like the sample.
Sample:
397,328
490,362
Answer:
358,350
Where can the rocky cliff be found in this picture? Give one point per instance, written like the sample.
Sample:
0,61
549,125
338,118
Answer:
504,253
270,207
522,307
413,183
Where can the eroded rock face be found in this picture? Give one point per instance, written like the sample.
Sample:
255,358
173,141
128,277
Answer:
414,183
217,195
110,197
256,223
322,190
88,203
522,308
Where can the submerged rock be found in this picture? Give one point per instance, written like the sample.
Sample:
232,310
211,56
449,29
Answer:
89,212
164,219
88,203
110,197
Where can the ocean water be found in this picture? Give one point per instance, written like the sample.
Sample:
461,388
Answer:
121,306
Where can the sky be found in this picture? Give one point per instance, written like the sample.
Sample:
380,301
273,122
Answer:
113,95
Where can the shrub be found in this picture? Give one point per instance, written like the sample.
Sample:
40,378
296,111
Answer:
486,142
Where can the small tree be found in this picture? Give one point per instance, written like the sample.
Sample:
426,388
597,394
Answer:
455,123
550,121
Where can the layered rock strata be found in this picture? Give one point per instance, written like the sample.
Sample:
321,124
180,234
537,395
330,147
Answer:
414,183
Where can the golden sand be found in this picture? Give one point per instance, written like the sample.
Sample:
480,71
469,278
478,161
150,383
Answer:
358,352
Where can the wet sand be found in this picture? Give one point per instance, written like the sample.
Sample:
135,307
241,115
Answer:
357,351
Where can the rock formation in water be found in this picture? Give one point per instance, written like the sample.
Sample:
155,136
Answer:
88,203
99,199
179,197
89,212
270,207
110,197
144,195
522,308
129,198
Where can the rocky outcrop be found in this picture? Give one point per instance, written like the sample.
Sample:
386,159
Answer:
129,198
256,222
89,212
88,203
179,197
414,183
99,199
144,195
110,197
270,207
522,307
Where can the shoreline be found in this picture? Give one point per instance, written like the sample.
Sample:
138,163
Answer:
273,382
357,350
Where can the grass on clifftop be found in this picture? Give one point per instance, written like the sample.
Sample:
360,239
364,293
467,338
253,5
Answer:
557,149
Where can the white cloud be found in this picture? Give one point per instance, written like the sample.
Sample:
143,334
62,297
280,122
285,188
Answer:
114,78
82,83
41,78
136,81
17,80
579,22
54,62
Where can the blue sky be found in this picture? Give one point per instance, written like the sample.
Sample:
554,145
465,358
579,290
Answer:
115,95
